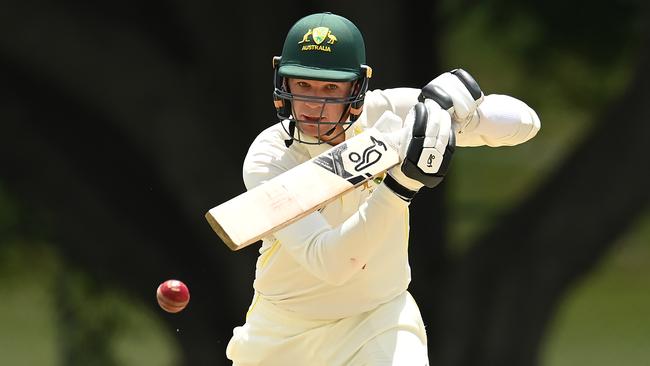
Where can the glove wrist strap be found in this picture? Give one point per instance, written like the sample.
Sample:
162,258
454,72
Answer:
401,191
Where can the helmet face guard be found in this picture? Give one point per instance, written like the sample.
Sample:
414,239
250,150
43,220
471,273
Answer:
283,99
324,47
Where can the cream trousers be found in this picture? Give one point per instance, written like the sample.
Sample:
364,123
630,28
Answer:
391,334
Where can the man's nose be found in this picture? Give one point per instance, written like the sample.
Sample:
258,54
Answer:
313,104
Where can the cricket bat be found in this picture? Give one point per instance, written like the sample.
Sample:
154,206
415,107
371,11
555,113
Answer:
247,218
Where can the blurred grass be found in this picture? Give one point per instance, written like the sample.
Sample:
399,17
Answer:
31,332
28,330
605,319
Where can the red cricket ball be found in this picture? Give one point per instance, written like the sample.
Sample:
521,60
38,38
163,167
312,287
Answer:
173,296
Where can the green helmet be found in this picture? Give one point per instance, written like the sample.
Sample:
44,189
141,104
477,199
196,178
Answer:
322,46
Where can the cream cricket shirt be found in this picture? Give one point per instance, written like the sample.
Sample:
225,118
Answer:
353,254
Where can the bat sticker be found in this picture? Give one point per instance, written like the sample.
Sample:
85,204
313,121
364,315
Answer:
371,155
333,160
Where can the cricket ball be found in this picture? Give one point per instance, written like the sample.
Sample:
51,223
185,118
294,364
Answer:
173,296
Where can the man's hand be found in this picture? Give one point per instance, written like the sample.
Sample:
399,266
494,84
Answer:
463,90
426,143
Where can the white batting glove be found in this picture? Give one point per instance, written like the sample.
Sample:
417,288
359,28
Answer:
425,143
464,92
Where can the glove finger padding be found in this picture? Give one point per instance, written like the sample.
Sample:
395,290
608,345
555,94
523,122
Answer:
463,90
431,146
390,125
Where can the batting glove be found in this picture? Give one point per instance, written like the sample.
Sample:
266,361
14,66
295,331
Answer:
464,91
425,143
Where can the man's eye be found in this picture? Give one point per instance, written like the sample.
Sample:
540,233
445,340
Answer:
303,84
332,86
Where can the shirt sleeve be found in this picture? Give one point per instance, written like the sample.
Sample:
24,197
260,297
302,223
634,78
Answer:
500,120
335,254
268,157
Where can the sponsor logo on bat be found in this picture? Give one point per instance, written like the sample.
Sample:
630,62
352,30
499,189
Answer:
333,160
370,155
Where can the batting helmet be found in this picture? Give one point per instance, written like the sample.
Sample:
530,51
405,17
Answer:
322,46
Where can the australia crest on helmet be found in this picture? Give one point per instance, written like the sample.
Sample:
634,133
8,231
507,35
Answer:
318,39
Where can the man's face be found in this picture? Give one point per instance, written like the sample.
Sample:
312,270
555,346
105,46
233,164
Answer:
308,113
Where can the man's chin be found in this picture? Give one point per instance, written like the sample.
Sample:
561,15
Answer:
311,128
314,133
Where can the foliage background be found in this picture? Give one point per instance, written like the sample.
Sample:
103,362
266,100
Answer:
121,123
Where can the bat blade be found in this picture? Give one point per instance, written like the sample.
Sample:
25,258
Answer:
249,217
